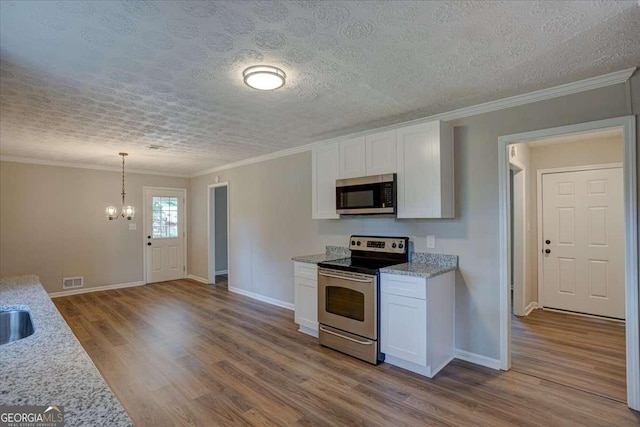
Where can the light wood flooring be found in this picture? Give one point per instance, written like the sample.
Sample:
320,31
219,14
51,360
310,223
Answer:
582,352
185,353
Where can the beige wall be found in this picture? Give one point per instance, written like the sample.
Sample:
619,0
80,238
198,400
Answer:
592,152
270,213
52,224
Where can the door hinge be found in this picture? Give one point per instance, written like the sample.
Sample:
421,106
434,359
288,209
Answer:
184,268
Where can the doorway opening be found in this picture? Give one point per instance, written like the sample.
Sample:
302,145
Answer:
218,224
518,169
571,256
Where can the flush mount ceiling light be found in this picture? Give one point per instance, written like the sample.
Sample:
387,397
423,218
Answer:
264,77
127,211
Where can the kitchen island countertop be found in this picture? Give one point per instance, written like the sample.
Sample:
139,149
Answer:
50,367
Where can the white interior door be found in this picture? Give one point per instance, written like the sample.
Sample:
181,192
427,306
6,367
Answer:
583,232
164,234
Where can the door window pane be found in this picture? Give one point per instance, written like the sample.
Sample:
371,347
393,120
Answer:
165,217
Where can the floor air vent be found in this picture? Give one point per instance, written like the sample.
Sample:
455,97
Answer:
72,282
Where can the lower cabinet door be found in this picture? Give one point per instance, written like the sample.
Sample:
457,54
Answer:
306,302
403,328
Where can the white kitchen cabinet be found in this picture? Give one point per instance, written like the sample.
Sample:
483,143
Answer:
306,297
425,171
380,153
417,321
324,170
404,329
368,155
352,157
421,155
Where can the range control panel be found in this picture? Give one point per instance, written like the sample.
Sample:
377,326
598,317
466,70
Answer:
395,245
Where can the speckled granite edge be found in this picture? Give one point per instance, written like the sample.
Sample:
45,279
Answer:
418,269
338,250
50,367
332,253
436,259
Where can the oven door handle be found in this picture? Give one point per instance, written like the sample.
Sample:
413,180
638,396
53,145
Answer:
345,337
355,279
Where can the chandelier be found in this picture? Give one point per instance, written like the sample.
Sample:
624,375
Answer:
127,211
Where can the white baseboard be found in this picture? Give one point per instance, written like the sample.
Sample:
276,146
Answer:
198,279
477,359
262,298
222,272
94,289
532,306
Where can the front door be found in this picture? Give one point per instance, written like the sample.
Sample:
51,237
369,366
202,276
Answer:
164,234
583,241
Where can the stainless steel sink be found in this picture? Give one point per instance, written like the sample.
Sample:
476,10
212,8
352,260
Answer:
15,325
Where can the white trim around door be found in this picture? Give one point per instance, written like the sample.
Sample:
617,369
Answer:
632,301
145,189
211,269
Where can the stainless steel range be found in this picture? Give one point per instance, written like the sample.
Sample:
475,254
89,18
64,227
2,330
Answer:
349,295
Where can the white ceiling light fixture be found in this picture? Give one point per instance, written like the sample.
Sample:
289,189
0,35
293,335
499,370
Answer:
127,211
264,77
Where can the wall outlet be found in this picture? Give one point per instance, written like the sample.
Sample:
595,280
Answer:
431,242
133,226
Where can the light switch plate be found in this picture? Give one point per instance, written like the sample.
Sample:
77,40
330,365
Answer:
132,226
431,242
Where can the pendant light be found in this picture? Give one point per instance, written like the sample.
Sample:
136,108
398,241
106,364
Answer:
127,212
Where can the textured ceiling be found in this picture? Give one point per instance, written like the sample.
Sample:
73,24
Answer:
83,80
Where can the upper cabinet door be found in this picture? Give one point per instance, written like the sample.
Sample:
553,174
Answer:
381,153
325,166
352,157
425,171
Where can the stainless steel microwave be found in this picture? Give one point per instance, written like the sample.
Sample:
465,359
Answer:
367,195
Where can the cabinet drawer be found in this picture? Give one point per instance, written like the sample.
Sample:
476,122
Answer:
406,286
303,269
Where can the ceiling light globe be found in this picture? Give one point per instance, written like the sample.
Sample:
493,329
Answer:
111,212
129,212
264,77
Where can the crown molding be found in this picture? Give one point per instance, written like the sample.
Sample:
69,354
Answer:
540,95
42,162
604,80
264,157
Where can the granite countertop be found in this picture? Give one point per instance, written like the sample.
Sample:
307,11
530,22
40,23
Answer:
425,265
331,253
50,367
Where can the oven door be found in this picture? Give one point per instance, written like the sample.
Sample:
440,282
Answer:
348,301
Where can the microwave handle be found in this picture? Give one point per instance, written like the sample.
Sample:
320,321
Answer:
354,279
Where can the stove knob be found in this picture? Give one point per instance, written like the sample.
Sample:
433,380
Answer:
358,242
393,245
353,242
400,245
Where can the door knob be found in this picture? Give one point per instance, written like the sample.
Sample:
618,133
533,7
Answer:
548,242
546,251
149,244
148,237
